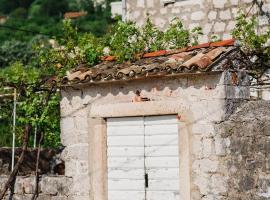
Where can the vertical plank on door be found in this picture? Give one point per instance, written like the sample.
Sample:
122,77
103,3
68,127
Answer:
125,151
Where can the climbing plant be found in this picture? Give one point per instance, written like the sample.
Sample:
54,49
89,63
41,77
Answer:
37,103
253,39
125,41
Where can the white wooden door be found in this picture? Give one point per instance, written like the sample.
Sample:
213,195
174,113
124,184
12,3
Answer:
161,158
143,158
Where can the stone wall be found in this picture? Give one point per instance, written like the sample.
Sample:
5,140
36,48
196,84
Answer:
246,152
53,184
200,100
51,188
214,16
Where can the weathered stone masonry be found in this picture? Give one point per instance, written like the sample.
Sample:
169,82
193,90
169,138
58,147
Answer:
201,100
53,185
50,187
214,16
246,136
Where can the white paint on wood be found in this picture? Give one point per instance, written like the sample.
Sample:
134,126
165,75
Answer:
163,195
126,151
127,195
123,130
161,162
163,173
163,185
161,140
123,121
136,141
126,185
159,129
125,173
125,162
161,151
140,145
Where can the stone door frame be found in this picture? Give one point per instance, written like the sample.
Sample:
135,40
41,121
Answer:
98,140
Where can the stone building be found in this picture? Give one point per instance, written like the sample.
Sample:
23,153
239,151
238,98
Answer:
214,16
147,130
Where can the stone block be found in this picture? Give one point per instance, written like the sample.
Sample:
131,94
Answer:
199,15
207,147
202,181
205,166
160,22
70,167
55,185
164,11
219,3
175,10
67,125
193,25
234,12
82,167
29,185
219,27
215,110
3,180
234,2
212,15
79,197
231,25
18,189
220,146
225,14
207,28
22,197
140,3
77,152
80,186
150,3
218,184
59,198
81,123
197,146
246,183
44,197
203,129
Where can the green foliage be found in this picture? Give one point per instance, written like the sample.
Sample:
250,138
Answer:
127,41
246,32
13,50
152,37
18,74
32,107
124,43
253,41
6,122
176,36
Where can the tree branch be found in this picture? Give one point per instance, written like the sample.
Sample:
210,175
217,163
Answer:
14,173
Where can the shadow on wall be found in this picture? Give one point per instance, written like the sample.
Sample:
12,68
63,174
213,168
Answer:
197,81
50,161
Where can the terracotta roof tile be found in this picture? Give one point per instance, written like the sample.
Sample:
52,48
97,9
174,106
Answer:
201,58
73,15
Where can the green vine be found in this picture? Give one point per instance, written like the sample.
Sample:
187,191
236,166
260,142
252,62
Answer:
39,103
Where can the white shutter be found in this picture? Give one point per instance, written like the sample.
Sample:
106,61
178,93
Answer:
162,158
138,146
125,152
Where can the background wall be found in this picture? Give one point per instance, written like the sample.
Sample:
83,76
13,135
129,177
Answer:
214,16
